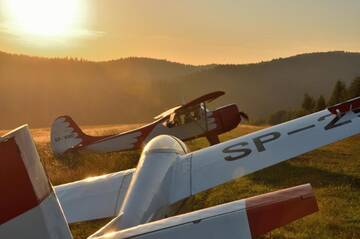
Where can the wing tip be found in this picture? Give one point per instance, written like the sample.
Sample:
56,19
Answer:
353,104
272,210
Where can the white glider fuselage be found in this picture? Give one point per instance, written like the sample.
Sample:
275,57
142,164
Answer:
149,195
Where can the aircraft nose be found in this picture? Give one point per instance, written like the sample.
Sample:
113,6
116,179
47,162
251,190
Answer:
230,117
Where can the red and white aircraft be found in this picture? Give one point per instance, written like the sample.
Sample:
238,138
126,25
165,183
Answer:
143,201
187,121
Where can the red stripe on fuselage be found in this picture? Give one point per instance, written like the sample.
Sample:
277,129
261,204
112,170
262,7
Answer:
17,192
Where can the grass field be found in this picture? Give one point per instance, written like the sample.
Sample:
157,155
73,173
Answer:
333,171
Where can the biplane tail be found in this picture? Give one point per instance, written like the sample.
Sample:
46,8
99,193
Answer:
29,206
67,135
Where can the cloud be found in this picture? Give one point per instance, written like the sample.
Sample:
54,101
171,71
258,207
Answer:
86,33
13,30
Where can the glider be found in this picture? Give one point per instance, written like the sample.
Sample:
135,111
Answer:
143,201
187,121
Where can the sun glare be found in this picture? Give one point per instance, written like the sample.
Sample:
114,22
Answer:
46,18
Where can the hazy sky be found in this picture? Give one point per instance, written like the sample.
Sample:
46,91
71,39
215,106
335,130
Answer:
196,32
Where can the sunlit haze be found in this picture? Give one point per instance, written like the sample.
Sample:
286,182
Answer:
42,17
196,32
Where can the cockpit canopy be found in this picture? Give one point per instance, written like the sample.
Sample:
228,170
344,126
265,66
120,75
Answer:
188,115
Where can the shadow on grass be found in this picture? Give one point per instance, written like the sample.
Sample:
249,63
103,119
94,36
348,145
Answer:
285,174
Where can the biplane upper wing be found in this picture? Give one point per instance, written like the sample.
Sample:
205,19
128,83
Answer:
209,167
205,98
94,198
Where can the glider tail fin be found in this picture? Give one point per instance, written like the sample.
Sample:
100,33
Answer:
67,135
30,208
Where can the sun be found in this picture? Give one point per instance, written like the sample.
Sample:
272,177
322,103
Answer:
46,18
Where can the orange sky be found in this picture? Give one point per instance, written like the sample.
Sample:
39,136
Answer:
196,32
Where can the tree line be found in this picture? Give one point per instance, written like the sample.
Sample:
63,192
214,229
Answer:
341,92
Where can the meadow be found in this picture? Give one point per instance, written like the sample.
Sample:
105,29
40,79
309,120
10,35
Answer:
333,171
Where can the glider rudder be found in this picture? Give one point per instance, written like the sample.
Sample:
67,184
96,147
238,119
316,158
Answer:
29,206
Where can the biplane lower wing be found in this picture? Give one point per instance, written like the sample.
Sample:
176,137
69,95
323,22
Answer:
94,198
246,219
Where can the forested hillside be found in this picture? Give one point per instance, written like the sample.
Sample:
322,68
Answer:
36,90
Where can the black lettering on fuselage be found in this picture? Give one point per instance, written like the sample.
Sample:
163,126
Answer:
322,118
301,129
266,138
243,152
261,140
335,122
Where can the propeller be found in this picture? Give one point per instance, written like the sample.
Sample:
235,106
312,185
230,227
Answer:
243,115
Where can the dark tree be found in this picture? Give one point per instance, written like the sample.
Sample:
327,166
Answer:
308,103
320,103
278,117
354,89
339,93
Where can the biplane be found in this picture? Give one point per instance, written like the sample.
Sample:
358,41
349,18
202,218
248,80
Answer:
144,202
187,121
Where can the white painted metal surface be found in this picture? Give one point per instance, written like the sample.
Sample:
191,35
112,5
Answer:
224,221
104,195
115,143
63,136
45,221
238,157
142,204
230,220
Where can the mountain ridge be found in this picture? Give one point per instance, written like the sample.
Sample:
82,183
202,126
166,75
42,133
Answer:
129,90
134,58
